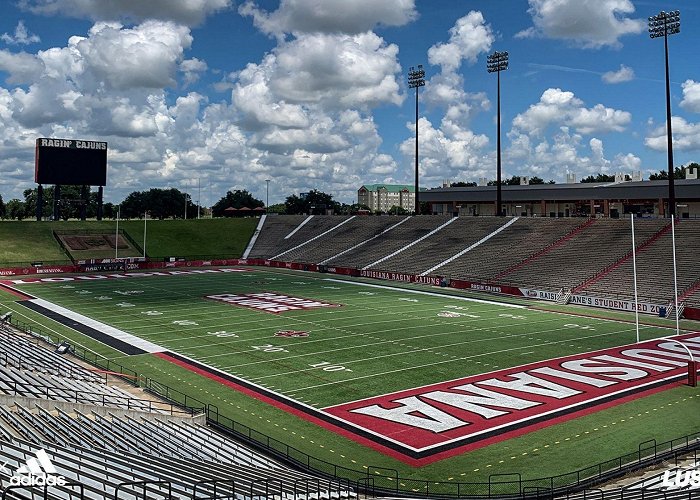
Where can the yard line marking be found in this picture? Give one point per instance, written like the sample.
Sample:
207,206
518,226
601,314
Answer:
392,341
421,292
446,361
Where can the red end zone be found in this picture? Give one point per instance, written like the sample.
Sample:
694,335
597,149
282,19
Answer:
494,406
422,425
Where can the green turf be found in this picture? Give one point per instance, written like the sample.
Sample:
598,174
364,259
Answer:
164,238
390,339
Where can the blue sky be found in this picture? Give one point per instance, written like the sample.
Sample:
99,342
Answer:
312,94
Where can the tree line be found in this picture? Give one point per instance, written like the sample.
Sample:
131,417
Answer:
175,204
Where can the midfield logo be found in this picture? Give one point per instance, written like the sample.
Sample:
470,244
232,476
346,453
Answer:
37,471
291,333
270,302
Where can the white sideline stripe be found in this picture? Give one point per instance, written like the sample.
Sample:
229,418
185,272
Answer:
411,244
432,294
101,327
366,241
314,238
294,231
470,248
252,241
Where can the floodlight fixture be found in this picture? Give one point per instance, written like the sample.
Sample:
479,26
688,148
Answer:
416,79
495,63
662,25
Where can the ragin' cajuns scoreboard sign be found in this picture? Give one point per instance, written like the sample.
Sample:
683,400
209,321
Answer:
70,162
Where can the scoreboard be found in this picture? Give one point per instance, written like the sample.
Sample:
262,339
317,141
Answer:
70,162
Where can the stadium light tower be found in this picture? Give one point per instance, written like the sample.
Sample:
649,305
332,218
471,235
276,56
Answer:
416,79
662,25
267,201
495,63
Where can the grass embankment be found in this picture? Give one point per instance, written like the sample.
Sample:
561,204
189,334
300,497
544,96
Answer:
29,241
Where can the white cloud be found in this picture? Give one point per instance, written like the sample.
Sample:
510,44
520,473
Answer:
22,36
188,12
686,136
448,152
22,67
588,23
469,37
558,107
117,56
330,16
624,74
564,152
191,68
691,96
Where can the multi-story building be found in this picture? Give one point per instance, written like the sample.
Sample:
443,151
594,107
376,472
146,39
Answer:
381,197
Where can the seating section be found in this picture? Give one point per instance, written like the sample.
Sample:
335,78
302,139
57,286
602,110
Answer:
655,266
587,255
102,472
463,232
355,231
312,228
35,384
510,247
108,448
273,232
23,353
391,241
578,258
149,434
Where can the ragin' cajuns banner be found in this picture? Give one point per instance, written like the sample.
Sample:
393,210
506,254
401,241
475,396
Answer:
436,421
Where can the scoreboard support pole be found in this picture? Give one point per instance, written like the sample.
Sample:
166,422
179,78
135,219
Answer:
40,202
84,199
100,192
57,202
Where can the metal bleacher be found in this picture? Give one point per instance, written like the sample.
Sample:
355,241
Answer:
107,443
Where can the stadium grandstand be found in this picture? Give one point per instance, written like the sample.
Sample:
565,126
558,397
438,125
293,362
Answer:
106,438
108,433
529,252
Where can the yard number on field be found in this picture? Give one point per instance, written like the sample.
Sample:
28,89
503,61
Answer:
327,367
580,327
269,348
222,334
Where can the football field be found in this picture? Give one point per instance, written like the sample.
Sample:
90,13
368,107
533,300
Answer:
417,373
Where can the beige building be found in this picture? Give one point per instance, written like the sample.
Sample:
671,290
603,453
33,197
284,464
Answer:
381,197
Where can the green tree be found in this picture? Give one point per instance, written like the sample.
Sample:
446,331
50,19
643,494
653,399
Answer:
396,210
2,208
108,211
462,184
277,208
678,173
236,199
15,209
314,201
598,178
538,180
159,203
